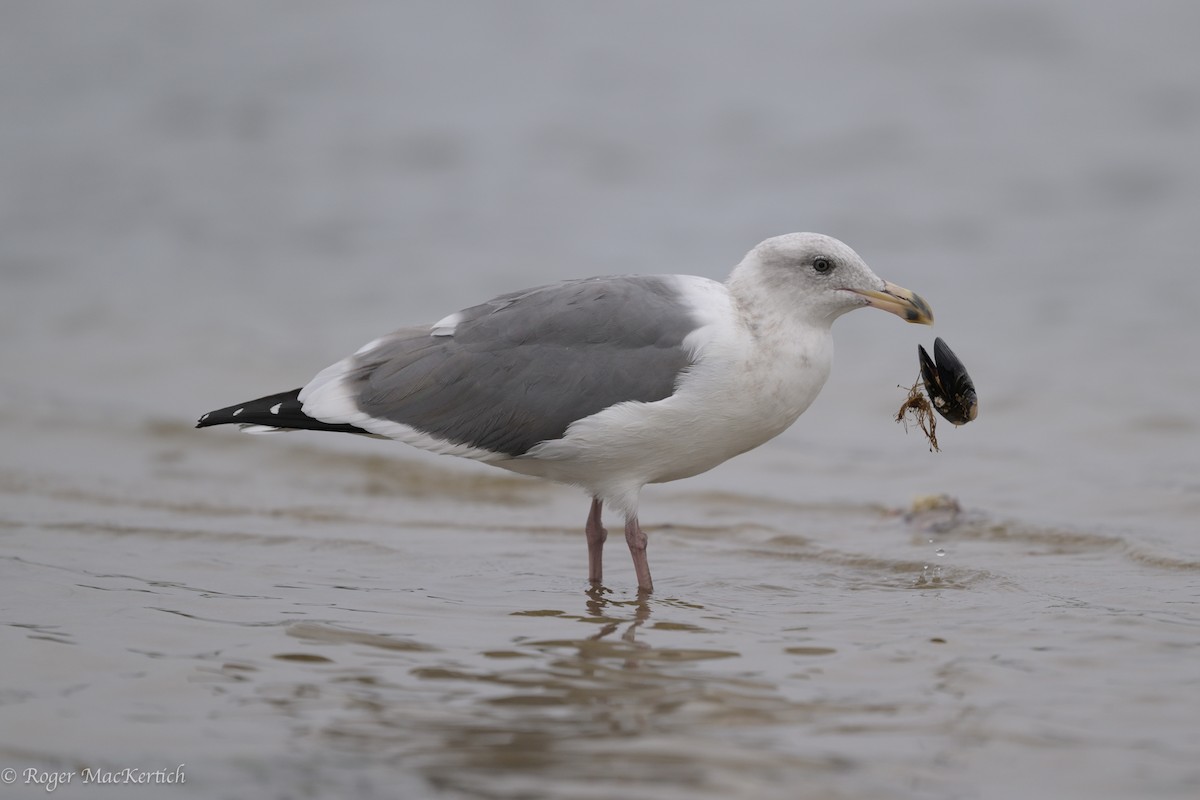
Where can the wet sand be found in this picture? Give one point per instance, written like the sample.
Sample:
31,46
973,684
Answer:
318,623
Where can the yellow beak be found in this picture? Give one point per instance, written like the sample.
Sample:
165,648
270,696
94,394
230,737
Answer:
901,302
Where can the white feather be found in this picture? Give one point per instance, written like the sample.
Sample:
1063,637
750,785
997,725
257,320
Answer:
447,325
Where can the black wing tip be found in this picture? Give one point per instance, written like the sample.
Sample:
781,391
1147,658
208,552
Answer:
215,418
255,412
282,410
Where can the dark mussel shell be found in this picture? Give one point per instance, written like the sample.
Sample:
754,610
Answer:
948,385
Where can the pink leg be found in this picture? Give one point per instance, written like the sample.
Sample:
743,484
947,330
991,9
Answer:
636,539
596,534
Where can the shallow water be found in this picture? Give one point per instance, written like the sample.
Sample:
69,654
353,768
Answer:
201,204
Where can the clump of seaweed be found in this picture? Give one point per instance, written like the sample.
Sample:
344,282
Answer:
917,406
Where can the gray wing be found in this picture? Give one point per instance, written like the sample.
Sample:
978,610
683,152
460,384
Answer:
519,369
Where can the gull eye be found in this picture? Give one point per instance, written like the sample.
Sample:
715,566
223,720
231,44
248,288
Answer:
822,265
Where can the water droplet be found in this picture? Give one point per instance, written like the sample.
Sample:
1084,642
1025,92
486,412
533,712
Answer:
940,552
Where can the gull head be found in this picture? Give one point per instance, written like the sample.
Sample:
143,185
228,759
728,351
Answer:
821,278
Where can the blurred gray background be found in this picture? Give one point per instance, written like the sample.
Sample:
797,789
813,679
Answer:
203,202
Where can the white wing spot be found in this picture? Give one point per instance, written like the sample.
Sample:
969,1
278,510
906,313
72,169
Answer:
240,410
446,325
275,408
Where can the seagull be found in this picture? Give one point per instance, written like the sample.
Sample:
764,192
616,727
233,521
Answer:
605,383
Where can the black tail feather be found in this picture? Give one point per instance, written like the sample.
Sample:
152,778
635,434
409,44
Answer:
277,410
